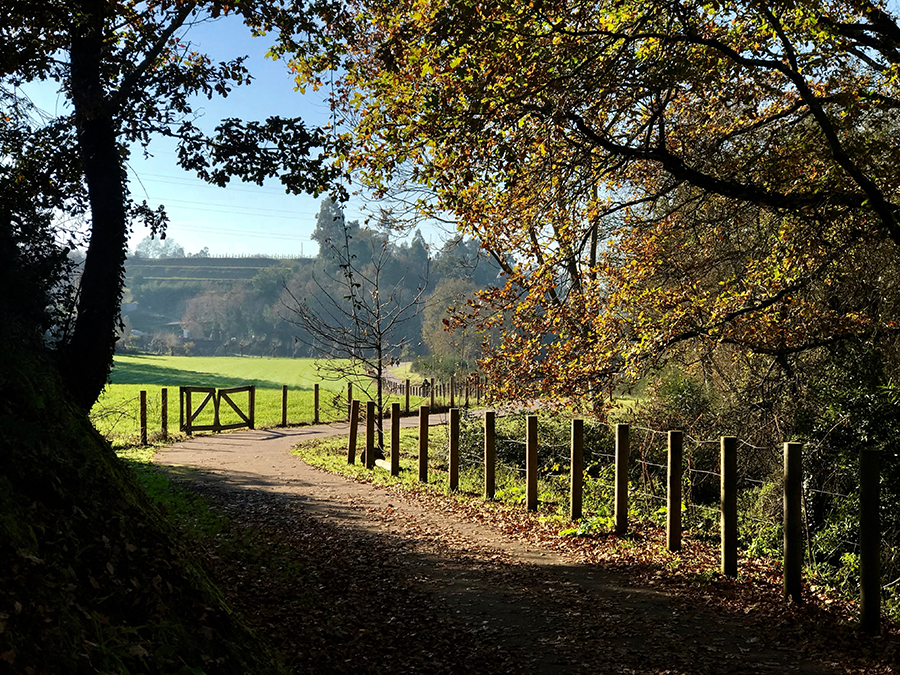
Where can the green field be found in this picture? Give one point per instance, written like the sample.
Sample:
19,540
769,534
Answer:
116,413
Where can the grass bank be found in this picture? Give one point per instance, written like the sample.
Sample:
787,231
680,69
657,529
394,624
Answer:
94,577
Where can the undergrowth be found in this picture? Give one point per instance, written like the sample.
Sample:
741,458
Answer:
185,509
759,512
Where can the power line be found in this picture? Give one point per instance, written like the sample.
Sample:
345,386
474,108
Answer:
193,182
253,209
238,233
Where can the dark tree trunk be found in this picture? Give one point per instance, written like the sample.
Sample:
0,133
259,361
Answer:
86,359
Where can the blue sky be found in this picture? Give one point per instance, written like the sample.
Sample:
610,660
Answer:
241,218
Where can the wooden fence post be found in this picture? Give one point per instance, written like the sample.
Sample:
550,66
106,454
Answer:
673,503
395,438
452,391
793,522
370,435
621,496
217,421
316,403
869,542
189,410
423,443
728,505
531,483
351,441
490,454
453,460
284,390
143,417
431,391
406,390
164,412
349,398
576,479
252,405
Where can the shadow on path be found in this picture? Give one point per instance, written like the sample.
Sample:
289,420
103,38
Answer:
546,614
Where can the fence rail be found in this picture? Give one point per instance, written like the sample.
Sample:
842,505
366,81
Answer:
440,394
211,396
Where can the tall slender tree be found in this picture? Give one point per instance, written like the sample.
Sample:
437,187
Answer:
129,73
355,322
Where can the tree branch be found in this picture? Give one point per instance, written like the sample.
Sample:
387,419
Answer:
133,79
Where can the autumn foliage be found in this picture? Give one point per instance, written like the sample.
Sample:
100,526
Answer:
667,177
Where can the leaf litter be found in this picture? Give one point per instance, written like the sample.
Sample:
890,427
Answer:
403,586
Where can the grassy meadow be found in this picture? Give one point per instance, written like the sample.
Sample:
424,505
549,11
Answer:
116,413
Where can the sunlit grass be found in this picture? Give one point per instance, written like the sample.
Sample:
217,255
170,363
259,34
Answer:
117,413
331,454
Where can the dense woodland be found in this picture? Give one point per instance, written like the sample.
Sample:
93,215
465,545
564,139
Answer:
699,205
693,202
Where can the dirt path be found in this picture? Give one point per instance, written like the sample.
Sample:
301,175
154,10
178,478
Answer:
544,612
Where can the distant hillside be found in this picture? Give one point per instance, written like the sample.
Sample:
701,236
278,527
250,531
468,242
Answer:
202,269
157,290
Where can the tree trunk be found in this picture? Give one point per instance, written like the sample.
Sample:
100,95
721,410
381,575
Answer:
380,395
86,360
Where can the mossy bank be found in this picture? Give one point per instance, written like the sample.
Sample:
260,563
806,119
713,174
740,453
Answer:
92,579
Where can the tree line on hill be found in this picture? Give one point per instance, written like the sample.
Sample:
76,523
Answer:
258,315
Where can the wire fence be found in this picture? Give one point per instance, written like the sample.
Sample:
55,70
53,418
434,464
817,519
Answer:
759,488
759,501
759,476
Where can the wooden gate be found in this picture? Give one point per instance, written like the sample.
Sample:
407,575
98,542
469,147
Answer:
211,395
246,420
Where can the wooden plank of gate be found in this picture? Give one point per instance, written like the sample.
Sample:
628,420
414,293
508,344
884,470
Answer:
229,427
193,414
225,394
236,390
